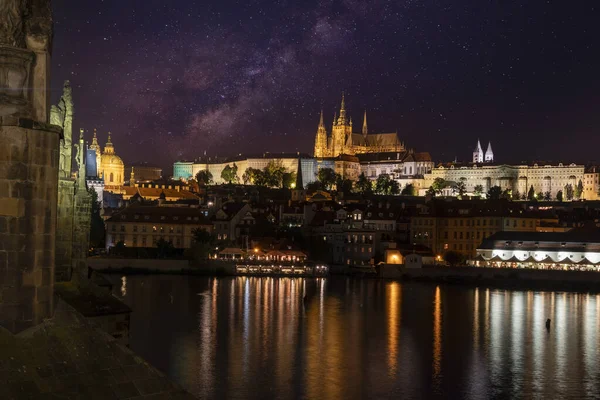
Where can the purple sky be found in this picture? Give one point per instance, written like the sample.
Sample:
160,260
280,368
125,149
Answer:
174,79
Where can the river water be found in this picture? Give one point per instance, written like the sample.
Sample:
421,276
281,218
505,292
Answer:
339,338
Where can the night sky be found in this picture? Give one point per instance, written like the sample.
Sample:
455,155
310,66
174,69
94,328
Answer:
174,79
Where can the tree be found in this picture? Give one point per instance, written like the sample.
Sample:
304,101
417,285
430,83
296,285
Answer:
438,185
461,187
165,248
248,176
531,194
386,185
204,178
569,191
314,186
409,190
394,188
430,192
203,244
343,185
228,174
539,196
97,229
478,190
516,195
382,183
119,248
579,190
273,174
559,196
327,177
364,185
547,196
494,193
453,257
506,194
288,180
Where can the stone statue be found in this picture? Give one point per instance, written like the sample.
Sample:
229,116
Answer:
12,15
25,42
38,24
62,115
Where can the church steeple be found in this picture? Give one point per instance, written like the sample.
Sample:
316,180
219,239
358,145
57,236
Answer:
109,148
365,130
342,118
489,154
321,139
478,153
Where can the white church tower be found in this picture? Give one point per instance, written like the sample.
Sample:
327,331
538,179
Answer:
478,153
489,154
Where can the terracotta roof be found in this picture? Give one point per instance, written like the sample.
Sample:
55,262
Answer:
154,193
231,250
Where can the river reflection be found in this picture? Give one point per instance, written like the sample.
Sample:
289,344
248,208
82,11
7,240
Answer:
337,338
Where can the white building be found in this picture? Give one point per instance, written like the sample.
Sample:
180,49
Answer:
578,249
543,178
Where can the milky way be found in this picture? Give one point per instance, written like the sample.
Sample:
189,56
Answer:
177,79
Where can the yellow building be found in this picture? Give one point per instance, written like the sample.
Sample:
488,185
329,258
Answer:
143,226
113,169
109,165
343,141
462,226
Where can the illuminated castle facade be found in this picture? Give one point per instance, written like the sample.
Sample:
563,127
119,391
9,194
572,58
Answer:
343,141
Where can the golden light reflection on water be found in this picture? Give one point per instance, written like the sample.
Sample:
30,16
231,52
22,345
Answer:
394,301
325,351
437,333
476,320
256,337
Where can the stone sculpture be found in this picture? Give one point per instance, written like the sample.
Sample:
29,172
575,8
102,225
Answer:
25,40
62,115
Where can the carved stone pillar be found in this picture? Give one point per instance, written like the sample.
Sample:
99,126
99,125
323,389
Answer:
15,81
40,77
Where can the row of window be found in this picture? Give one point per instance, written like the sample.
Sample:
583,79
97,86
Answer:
144,228
164,218
144,241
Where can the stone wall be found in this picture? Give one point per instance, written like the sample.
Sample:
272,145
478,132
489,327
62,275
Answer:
28,197
64,230
82,219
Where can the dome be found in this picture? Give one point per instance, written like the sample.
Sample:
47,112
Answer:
111,159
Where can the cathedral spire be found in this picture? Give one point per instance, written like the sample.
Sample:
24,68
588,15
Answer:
321,123
342,118
365,130
489,154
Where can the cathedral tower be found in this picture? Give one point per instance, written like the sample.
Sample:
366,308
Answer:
489,154
365,130
321,139
342,128
478,153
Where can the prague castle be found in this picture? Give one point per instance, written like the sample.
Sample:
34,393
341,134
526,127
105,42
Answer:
343,141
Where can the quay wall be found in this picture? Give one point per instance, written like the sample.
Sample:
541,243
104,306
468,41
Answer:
503,277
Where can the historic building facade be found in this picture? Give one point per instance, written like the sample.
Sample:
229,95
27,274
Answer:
343,140
515,178
110,167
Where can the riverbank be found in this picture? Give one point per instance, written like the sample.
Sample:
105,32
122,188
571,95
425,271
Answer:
502,278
